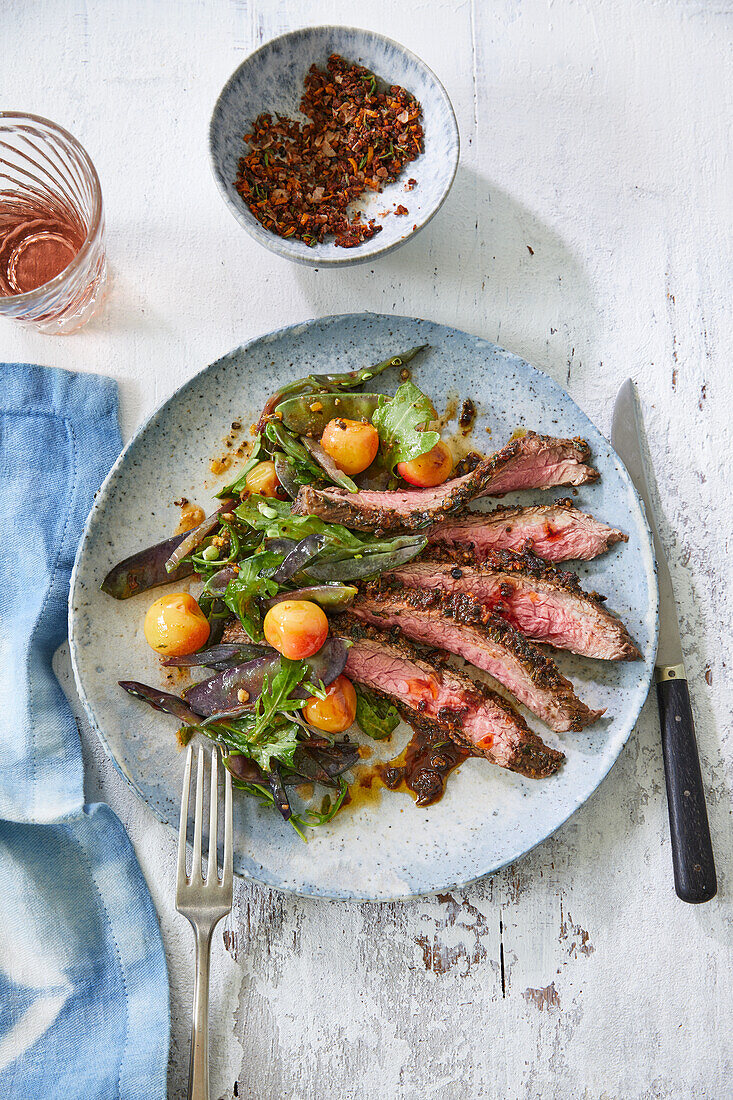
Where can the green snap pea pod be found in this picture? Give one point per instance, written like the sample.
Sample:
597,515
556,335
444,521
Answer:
331,597
327,464
287,474
259,454
308,416
350,380
292,446
330,567
335,382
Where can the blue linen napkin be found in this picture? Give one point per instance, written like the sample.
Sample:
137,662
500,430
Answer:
83,984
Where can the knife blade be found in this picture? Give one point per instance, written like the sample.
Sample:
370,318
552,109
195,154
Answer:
692,852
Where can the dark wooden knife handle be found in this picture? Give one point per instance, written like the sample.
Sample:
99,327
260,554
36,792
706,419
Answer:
692,850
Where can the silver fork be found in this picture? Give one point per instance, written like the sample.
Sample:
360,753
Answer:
203,901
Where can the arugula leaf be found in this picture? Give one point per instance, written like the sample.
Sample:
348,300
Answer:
267,732
280,745
346,555
275,519
241,592
377,717
277,742
277,697
329,808
399,421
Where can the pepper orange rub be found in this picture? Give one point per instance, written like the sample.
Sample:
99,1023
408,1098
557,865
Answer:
299,178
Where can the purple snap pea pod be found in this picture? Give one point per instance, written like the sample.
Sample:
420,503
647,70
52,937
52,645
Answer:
285,472
218,656
217,586
331,597
279,794
325,665
194,538
327,464
280,546
244,769
144,570
324,764
221,693
161,700
303,552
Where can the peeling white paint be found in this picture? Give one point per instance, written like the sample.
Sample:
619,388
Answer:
596,135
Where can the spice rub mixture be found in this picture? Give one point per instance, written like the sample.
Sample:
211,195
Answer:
298,179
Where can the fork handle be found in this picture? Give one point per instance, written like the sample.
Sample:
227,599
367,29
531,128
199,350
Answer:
198,1073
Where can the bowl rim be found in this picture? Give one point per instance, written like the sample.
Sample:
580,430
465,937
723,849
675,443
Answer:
279,245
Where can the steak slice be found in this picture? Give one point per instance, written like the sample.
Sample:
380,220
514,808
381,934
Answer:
427,690
530,462
543,602
462,626
555,532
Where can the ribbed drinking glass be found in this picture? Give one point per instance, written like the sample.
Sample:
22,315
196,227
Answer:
52,262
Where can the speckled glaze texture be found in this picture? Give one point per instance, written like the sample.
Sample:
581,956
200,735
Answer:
271,79
386,848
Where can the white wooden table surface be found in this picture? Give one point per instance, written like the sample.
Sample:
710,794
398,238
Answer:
589,231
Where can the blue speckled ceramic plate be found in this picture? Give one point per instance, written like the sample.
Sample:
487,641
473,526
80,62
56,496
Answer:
387,848
271,79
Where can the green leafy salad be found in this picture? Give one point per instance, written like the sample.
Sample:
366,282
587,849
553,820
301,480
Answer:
275,696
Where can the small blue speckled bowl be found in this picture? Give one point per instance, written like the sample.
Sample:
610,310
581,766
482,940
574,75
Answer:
271,79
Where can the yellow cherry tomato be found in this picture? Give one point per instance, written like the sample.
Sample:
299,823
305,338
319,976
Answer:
429,469
262,479
296,628
337,711
352,444
176,625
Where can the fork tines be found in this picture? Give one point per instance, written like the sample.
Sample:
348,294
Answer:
211,886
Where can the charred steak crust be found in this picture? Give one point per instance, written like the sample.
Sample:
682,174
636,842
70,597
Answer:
465,610
523,562
361,512
531,756
556,702
542,579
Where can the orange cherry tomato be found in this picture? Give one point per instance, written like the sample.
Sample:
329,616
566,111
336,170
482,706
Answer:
337,711
352,444
429,469
176,625
263,479
296,628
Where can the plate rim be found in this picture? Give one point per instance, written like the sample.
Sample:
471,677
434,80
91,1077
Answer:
100,496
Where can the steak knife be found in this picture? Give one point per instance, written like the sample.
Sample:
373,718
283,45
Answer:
692,851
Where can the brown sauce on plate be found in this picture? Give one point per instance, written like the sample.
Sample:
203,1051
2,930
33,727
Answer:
422,768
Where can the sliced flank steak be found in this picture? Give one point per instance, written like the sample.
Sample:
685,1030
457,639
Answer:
543,602
460,625
428,690
530,462
555,532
